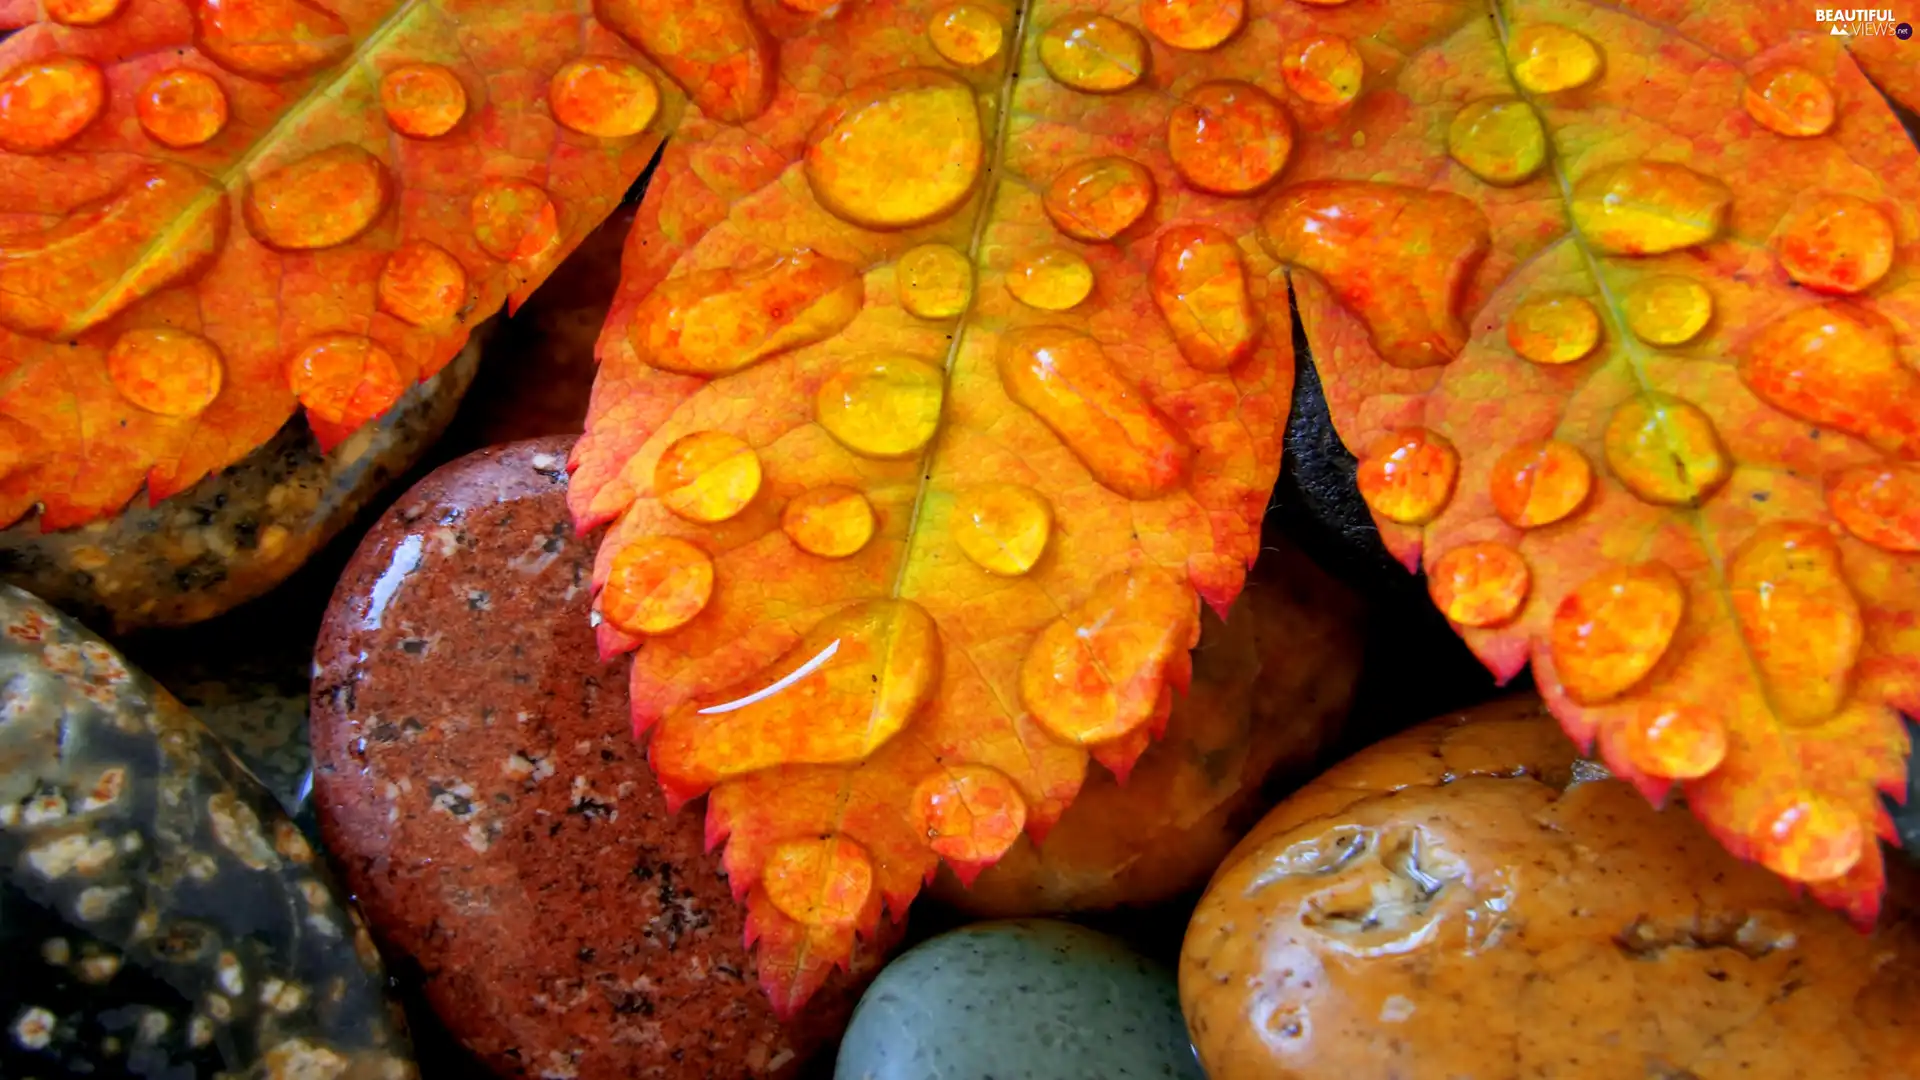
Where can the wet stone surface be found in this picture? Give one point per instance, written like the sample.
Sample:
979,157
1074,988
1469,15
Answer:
159,915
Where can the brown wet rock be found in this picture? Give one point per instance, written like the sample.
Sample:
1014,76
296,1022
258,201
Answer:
476,779
1469,900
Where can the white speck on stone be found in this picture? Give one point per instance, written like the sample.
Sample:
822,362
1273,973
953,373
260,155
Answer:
779,1060
447,540
145,925
219,1008
199,1031
560,1066
594,618
154,1025
316,894
391,790
480,835
290,844
106,790
56,951
33,1029
322,925
43,808
201,867
96,902
281,996
131,842
544,462
100,968
298,1059
229,974
1397,1009
9,815
62,659
237,828
73,852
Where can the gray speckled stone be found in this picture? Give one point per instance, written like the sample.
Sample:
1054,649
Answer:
159,915
1023,999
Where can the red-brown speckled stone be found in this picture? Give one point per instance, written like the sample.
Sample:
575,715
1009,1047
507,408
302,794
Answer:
476,778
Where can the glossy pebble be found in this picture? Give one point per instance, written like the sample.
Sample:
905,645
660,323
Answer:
181,108
1555,329
1229,137
1838,244
165,371
1093,53
1611,630
965,34
903,149
604,97
832,522
45,104
1324,69
422,101
1052,280
1790,100
1099,198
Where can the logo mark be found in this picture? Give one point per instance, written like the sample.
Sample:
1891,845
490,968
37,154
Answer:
1903,31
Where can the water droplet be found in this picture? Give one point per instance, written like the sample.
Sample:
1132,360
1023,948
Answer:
1803,837
1547,58
1323,69
1200,287
1499,140
345,379
823,882
165,371
715,322
1097,199
422,284
47,103
1648,207
1879,504
1003,528
1539,483
1052,280
966,35
1229,137
1836,243
1838,365
1674,741
1397,257
1666,451
82,12
320,201
715,50
970,815
270,39
1667,309
1065,378
1556,329
603,97
808,7
1609,632
182,108
164,226
1790,100
422,101
935,281
832,522
1801,621
657,585
707,476
1098,674
1194,25
515,221
901,150
881,408
1093,53
1481,584
1408,475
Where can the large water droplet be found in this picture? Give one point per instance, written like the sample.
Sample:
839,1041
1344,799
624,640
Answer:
1194,25
165,371
1836,243
270,39
603,97
1229,137
1482,584
1065,378
321,201
1324,69
1052,280
422,284
823,882
1838,365
1648,207
47,103
715,50
1396,256
1800,618
881,408
423,101
707,476
344,379
714,322
1548,58
182,108
1200,286
903,149
832,522
1790,100
1667,309
1093,53
1098,674
656,586
970,815
1609,632
1666,450
1879,504
1003,528
1539,483
1097,199
1674,741
82,12
1804,837
514,221
966,35
1557,329
1499,140
1408,475
934,281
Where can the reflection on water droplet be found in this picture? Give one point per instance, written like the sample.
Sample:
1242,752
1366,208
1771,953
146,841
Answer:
966,35
900,150
514,221
1051,280
832,522
1093,53
1555,329
657,585
1674,741
1194,25
1648,208
1065,378
47,103
1003,528
1548,58
881,408
182,108
1539,483
422,101
1609,632
822,882
1229,137
1481,584
1097,199
1666,450
969,814
1498,140
707,476
1790,100
1323,69
1880,504
320,201
165,371
1200,286
1407,476
422,284
1836,243
603,97
1801,621
1804,837
344,379
935,281
1667,309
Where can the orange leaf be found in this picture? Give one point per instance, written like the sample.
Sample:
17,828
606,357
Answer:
211,212
933,403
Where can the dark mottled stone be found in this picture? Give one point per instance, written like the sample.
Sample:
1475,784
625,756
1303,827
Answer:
159,916
476,777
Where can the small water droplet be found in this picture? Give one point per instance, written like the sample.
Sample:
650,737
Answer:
819,882
1052,280
1836,244
715,322
1483,584
1324,69
1880,504
423,101
165,371
1667,309
708,476
1802,624
1674,741
1539,483
82,12
1098,674
715,50
1557,329
1407,475
1547,58
1790,100
1200,286
1611,630
603,97
832,522
345,379
1066,380
270,39
966,35
1648,208
514,221
1003,528
969,814
47,103
1666,450
320,201
881,408
182,108
900,150
1229,137
1093,53
657,585
1499,140
1097,199
935,281
1193,25
1804,837
422,284
1838,365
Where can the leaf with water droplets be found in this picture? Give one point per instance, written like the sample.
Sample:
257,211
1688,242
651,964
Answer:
1010,369
218,211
